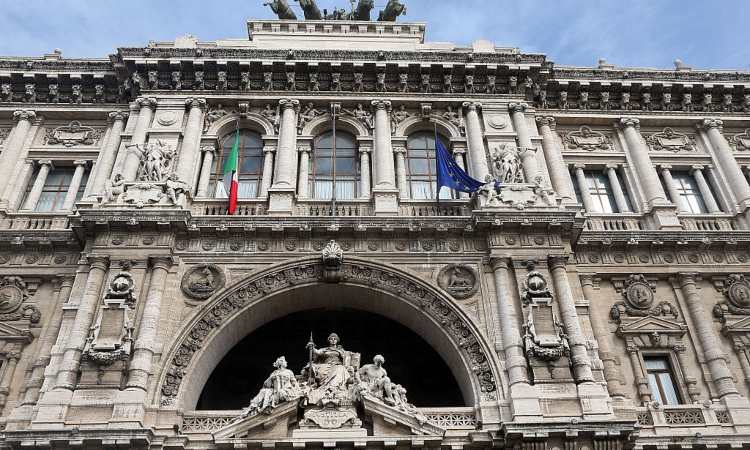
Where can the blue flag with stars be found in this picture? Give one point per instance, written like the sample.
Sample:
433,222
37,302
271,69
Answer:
450,174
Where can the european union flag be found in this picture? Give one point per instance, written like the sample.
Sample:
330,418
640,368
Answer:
450,174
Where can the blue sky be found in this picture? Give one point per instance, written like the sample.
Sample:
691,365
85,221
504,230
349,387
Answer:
644,33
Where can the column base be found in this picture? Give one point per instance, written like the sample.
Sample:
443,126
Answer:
386,201
129,409
595,400
280,201
663,217
525,402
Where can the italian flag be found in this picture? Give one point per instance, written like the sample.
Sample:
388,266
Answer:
231,180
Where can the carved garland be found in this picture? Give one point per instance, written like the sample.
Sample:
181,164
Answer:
358,274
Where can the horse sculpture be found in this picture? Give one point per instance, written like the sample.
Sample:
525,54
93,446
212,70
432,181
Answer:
312,12
281,8
392,10
363,10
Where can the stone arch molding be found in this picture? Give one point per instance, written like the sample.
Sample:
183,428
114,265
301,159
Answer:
478,362
415,123
324,123
253,121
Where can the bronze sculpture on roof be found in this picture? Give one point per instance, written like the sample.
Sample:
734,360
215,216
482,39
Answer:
392,10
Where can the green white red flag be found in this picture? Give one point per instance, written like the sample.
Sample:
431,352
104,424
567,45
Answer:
231,179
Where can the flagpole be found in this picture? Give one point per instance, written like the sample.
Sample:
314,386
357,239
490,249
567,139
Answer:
437,194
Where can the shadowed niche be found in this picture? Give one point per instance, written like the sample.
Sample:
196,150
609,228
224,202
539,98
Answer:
409,360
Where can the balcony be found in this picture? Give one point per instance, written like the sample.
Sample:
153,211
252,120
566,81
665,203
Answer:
708,222
33,221
614,222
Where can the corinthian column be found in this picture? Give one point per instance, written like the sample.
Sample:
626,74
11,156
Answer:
287,151
13,150
579,355
558,170
475,137
602,334
715,358
385,174
66,377
724,157
140,365
652,188
190,152
133,154
109,153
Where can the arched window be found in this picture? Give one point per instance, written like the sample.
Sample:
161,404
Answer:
421,167
322,167
250,165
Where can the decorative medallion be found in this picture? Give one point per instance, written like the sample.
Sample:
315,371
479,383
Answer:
181,245
402,245
458,280
372,245
587,139
290,245
208,245
60,259
236,245
638,292
31,259
428,246
122,286
263,245
167,118
318,245
72,134
671,141
737,290
497,122
13,294
202,281
535,286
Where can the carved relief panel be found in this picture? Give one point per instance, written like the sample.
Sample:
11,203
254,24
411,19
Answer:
670,140
739,142
587,139
74,134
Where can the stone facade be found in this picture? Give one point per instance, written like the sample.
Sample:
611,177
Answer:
619,236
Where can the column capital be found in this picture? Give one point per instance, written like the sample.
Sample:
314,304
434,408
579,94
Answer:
626,122
612,166
712,123
161,262
500,263
665,166
147,102
579,166
269,149
546,121
304,148
557,262
472,106
208,148
697,167
589,279
517,107
134,107
365,148
65,281
80,162
458,150
381,104
45,162
99,262
24,114
115,116
195,102
289,103
686,278
399,149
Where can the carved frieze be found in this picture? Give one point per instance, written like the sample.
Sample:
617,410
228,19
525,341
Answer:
740,142
460,281
587,139
202,281
72,134
670,140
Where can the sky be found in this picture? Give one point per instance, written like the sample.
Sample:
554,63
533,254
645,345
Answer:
636,33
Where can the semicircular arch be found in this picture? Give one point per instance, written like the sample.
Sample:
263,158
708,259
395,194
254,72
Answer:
323,123
413,124
240,309
251,121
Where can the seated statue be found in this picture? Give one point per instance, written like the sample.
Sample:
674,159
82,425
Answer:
374,381
330,365
281,386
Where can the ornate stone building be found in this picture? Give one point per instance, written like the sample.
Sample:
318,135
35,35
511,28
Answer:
597,300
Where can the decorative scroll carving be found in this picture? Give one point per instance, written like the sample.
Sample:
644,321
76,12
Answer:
14,294
72,134
202,281
253,290
587,139
740,142
672,141
460,281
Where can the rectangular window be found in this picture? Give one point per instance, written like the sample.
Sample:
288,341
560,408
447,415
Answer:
600,190
690,196
661,380
56,188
